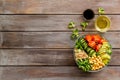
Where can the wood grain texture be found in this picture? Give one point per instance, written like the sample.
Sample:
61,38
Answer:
38,47
1,22
56,73
48,22
1,39
46,57
1,6
49,39
58,6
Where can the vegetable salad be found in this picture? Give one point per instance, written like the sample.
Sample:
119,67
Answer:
92,52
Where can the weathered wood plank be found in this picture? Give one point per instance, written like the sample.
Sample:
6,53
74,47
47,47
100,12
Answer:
62,57
49,39
1,39
36,40
1,6
59,6
48,22
56,73
1,22
36,57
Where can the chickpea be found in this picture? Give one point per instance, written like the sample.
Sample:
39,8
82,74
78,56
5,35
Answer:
96,62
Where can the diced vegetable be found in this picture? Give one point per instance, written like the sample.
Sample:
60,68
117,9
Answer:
105,56
109,51
84,25
95,41
85,46
75,34
96,38
78,45
84,64
101,41
105,61
88,38
98,47
92,44
101,10
71,25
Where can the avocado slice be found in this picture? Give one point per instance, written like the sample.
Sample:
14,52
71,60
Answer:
105,56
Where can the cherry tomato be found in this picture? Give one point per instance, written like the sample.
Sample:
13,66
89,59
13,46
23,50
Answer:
88,38
98,47
96,38
101,41
92,44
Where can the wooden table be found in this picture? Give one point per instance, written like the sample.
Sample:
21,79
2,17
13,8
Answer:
35,42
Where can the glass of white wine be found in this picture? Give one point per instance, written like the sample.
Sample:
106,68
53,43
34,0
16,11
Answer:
102,23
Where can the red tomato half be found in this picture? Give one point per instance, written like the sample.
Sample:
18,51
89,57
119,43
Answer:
88,38
101,41
98,47
92,44
96,38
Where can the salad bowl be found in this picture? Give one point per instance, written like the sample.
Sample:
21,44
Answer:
92,52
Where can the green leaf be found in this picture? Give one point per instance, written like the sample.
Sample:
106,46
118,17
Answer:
101,10
71,25
84,25
75,34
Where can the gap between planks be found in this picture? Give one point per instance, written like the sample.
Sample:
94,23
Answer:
48,48
2,31
49,66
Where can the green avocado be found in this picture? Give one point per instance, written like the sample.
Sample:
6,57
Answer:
105,56
105,61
